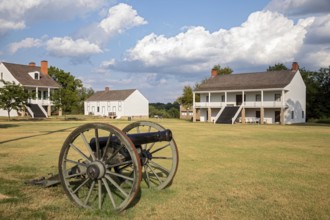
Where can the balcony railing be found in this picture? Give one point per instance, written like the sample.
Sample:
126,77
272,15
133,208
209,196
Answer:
265,104
40,101
209,104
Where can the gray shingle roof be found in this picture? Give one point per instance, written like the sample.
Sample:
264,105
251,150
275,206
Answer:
260,80
111,95
20,72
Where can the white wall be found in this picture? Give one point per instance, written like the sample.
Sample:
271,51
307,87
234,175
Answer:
6,76
296,99
135,105
102,108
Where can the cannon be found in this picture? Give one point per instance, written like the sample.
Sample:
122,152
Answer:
103,167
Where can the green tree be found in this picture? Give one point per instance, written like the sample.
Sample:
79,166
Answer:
67,97
12,97
83,94
222,71
317,93
277,67
169,110
187,97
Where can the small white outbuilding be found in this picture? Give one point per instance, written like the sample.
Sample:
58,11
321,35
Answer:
117,104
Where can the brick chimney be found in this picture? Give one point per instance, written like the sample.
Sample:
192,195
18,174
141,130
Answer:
107,89
295,66
32,64
44,67
214,73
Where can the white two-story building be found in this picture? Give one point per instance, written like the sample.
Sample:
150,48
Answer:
263,97
34,79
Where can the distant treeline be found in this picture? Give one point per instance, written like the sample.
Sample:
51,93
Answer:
169,110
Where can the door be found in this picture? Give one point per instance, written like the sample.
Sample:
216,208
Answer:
277,116
238,99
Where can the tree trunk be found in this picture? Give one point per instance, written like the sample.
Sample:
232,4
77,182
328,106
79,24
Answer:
8,115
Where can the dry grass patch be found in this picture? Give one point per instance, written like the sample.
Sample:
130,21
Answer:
225,172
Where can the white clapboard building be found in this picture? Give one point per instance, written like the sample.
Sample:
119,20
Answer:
117,104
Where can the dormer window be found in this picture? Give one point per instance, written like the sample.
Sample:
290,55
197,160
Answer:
35,75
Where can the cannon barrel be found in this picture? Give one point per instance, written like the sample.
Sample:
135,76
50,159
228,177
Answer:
137,138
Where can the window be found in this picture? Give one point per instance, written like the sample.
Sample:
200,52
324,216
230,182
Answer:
222,98
257,114
33,94
36,76
45,95
303,114
277,97
39,95
258,97
98,109
292,114
207,98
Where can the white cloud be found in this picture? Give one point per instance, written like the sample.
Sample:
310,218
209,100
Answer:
265,38
318,58
10,25
120,18
16,14
26,43
299,7
67,47
319,31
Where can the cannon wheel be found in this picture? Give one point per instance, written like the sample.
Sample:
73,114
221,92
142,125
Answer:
159,160
95,179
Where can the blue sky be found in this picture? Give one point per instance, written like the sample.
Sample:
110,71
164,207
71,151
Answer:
158,47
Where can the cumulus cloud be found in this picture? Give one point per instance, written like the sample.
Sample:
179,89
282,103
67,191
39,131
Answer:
120,18
299,7
265,38
26,43
67,47
16,14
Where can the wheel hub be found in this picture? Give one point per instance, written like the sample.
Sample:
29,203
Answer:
96,170
146,156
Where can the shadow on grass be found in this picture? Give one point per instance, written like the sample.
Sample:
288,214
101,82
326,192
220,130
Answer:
8,126
135,200
312,125
46,133
74,119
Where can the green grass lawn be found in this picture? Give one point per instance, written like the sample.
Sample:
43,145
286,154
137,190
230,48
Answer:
225,172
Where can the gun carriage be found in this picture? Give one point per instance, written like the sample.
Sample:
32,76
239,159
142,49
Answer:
102,167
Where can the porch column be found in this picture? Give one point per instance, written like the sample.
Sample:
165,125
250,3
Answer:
225,98
262,115
243,115
262,98
36,93
282,116
262,110
209,115
194,109
282,108
243,103
194,114
49,109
